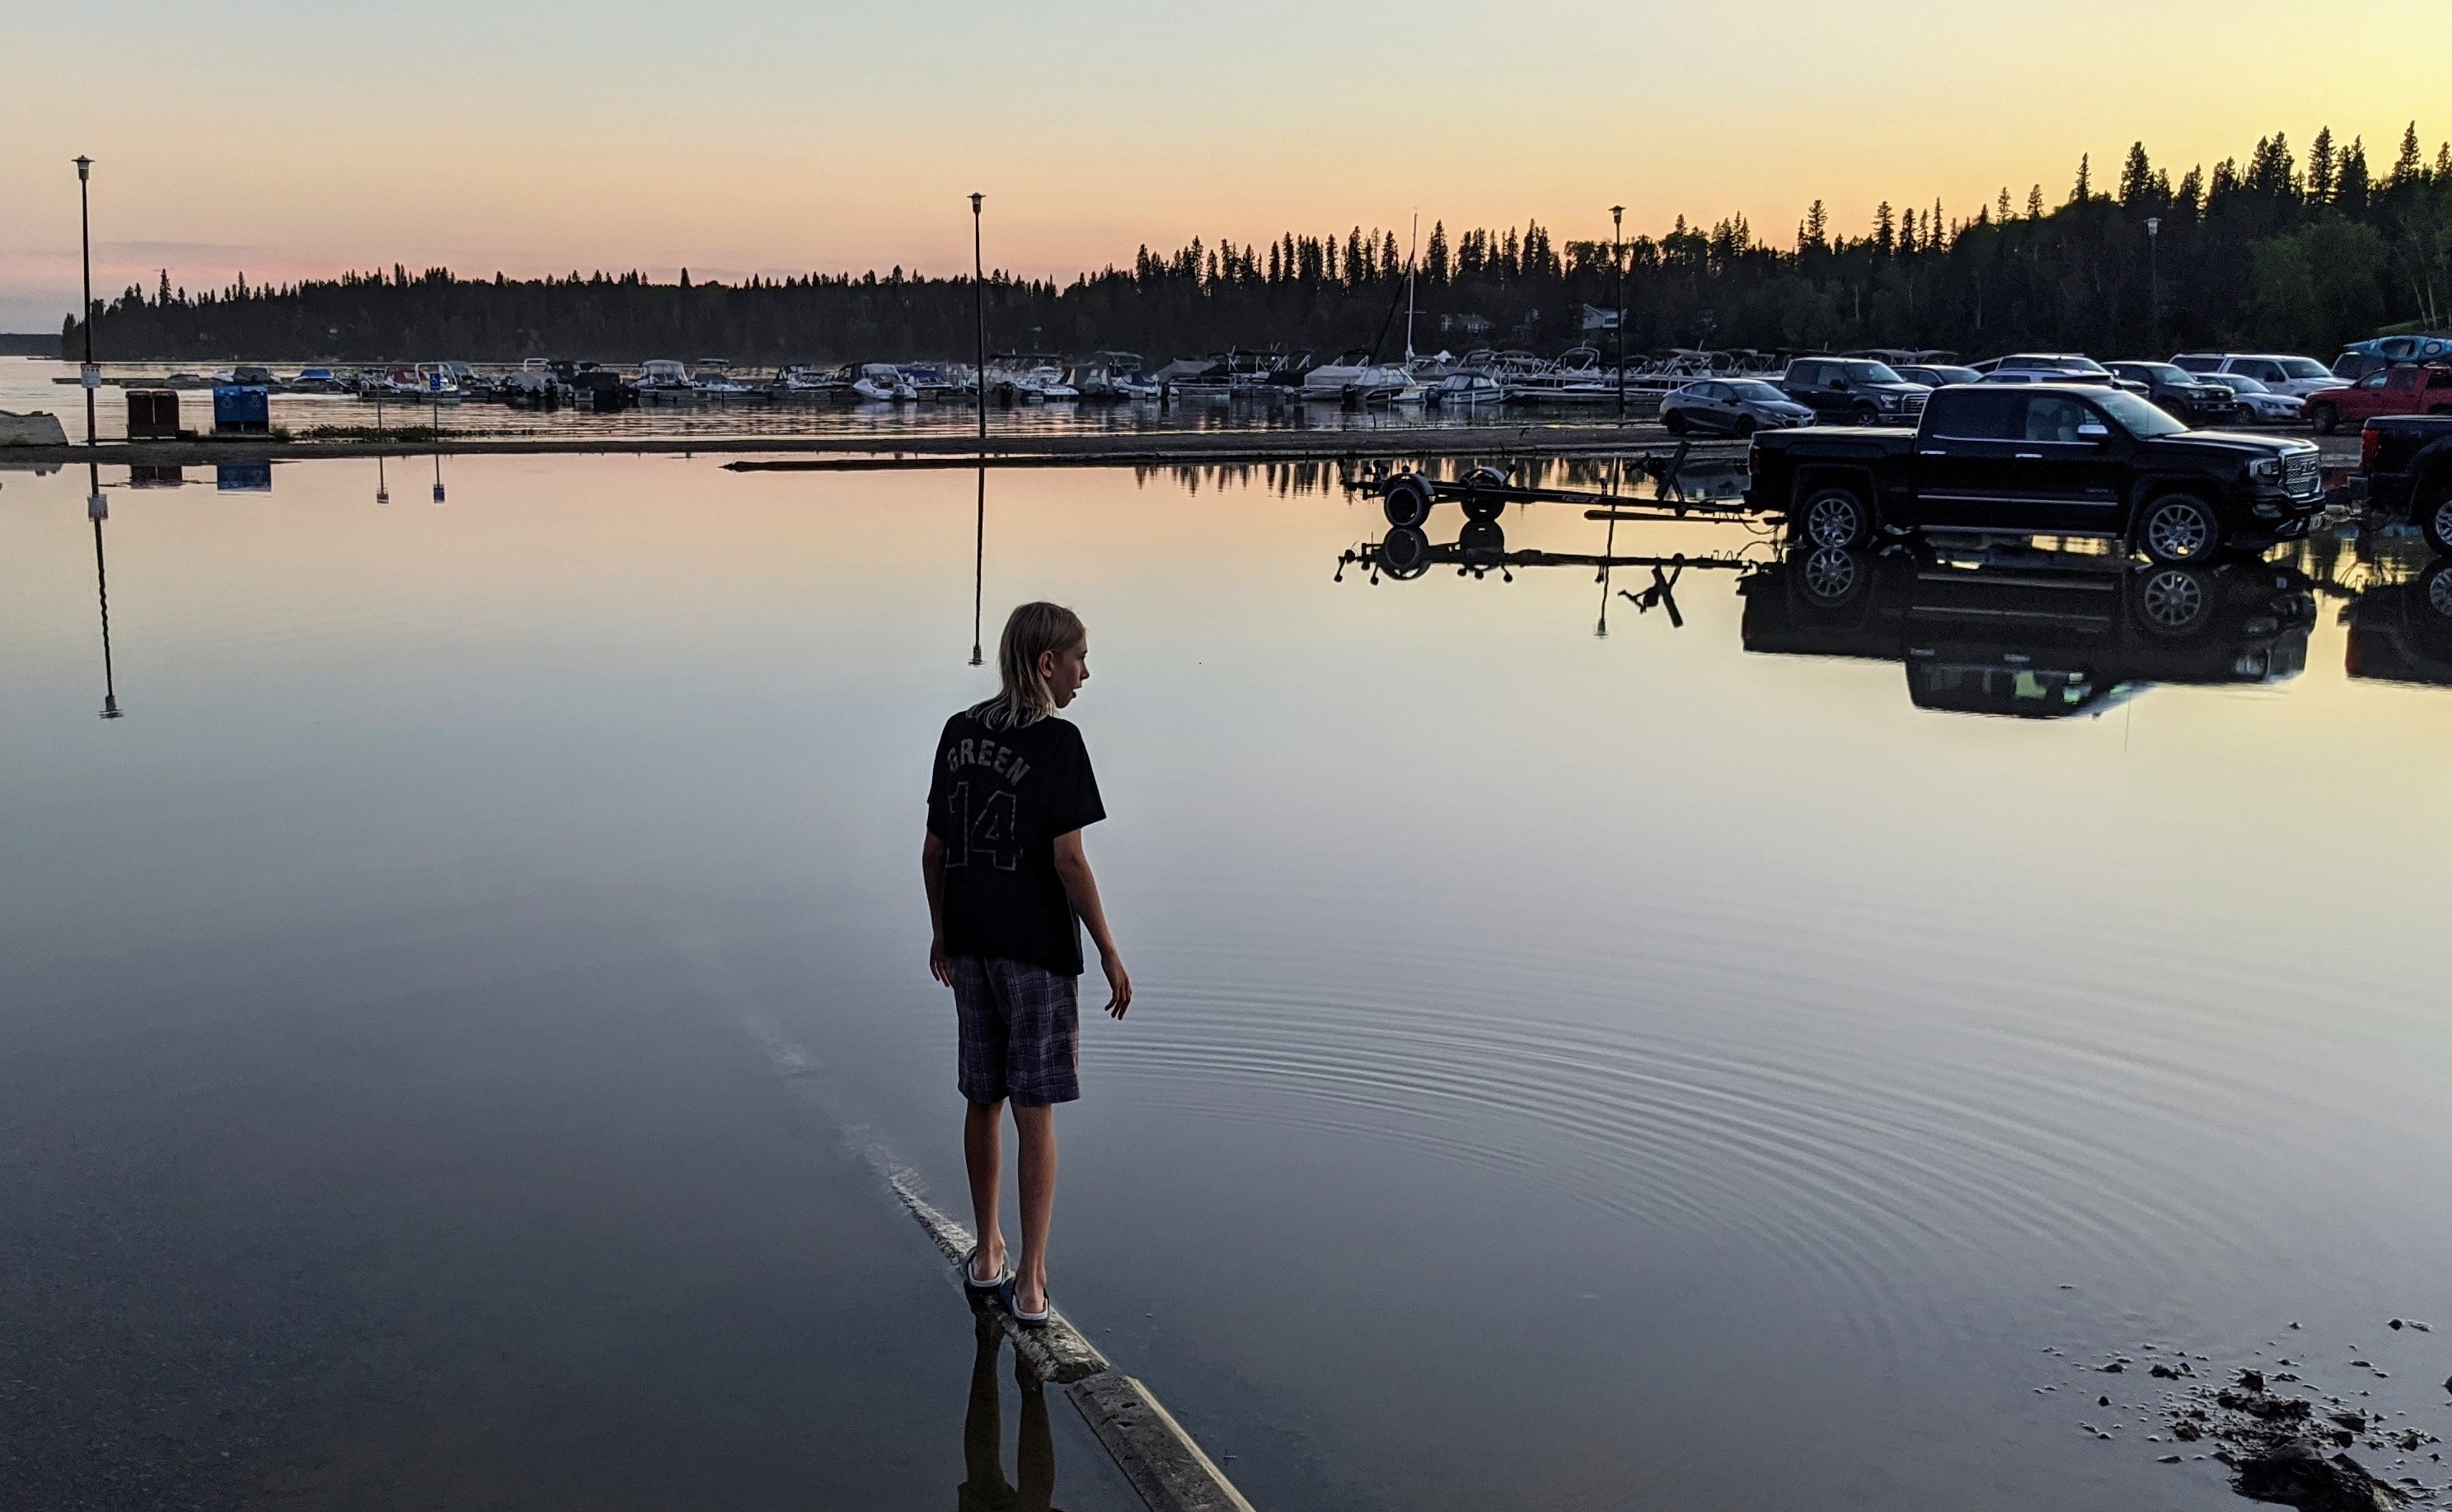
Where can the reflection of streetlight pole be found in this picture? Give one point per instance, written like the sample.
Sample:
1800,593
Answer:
979,309
383,493
2154,283
980,557
97,508
85,318
1618,262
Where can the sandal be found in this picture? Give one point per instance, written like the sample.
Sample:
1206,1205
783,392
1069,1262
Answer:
970,1277
1028,1320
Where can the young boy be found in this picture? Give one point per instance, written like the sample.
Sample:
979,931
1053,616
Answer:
1008,889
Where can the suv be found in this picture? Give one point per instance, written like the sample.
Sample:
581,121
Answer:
2054,367
2394,392
1854,390
2295,376
2186,396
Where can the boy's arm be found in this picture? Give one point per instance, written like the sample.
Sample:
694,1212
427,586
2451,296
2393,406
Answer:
932,872
1082,890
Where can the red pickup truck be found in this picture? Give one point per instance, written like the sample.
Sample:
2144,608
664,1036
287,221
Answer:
2405,390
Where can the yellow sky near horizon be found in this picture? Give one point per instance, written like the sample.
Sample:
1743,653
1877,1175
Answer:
284,139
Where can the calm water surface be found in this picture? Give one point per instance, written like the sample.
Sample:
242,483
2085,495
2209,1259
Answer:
1686,1067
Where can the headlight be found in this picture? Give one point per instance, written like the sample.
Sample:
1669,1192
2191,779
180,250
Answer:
2269,470
1890,400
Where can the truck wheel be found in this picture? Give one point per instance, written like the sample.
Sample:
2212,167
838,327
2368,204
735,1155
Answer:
2180,529
2173,600
1407,501
1834,517
1405,553
2435,518
1865,415
2325,418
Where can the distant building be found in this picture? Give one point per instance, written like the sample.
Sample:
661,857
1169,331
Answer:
1464,325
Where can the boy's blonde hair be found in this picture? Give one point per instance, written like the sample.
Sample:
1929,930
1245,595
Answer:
1030,631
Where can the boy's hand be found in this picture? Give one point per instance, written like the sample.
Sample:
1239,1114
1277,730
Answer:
1119,983
941,962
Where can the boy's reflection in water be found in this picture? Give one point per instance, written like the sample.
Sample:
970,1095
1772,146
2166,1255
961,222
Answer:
984,1487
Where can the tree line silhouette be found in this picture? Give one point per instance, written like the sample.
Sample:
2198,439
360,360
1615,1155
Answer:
2275,252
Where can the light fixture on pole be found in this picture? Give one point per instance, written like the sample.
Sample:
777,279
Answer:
2154,282
1618,262
88,374
979,310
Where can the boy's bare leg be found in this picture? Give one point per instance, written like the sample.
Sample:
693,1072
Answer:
984,1154
1037,1127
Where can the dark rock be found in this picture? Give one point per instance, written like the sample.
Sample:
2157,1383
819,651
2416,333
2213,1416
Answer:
2395,1324
2252,1380
2187,1432
2355,1421
2168,1458
2296,1474
2448,1382
2364,1365
2102,1401
2112,1369
2267,1408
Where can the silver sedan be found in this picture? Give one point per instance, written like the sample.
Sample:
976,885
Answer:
1730,407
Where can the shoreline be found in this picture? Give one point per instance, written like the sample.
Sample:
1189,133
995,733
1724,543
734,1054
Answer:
792,453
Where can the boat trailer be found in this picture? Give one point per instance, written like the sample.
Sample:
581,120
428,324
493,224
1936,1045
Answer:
1684,487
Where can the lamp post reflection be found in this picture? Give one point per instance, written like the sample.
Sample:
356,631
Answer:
97,509
979,561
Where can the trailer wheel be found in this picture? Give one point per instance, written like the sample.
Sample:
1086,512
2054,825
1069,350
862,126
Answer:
1483,508
1405,553
1834,517
1406,500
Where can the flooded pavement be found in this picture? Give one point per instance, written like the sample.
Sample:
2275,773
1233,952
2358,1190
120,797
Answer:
1730,1061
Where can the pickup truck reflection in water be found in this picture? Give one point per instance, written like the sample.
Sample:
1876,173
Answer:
2034,635
2401,631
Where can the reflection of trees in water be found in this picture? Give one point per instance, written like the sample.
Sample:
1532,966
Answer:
1294,480
2376,554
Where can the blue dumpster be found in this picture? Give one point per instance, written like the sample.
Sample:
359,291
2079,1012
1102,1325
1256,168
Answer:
242,477
243,408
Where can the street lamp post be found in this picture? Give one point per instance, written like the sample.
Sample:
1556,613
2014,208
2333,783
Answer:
980,311
2154,282
85,316
1617,263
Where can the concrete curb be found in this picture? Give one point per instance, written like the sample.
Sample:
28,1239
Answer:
1155,1455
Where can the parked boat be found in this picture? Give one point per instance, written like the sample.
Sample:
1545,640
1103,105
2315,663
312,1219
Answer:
662,375
884,383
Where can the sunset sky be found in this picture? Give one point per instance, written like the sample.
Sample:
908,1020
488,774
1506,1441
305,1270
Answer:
283,138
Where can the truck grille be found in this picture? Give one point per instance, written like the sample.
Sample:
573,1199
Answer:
2299,478
1912,405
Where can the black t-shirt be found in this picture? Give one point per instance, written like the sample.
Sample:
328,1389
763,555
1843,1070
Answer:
997,800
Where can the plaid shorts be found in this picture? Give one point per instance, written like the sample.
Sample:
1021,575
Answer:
1022,1033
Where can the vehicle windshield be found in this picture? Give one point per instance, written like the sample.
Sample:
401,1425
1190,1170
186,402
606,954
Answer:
2242,383
1758,393
1873,373
2303,367
2136,415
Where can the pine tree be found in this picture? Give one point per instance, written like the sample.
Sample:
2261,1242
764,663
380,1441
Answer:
2408,166
2035,202
1434,260
2004,214
2085,186
2350,178
1817,225
2320,168
2136,177
1885,230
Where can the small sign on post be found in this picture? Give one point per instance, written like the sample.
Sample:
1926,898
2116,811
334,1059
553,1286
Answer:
89,374
97,506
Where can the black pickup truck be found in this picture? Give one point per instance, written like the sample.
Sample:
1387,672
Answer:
2406,467
2041,458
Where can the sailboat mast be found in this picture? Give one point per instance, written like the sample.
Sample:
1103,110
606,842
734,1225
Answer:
1412,261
